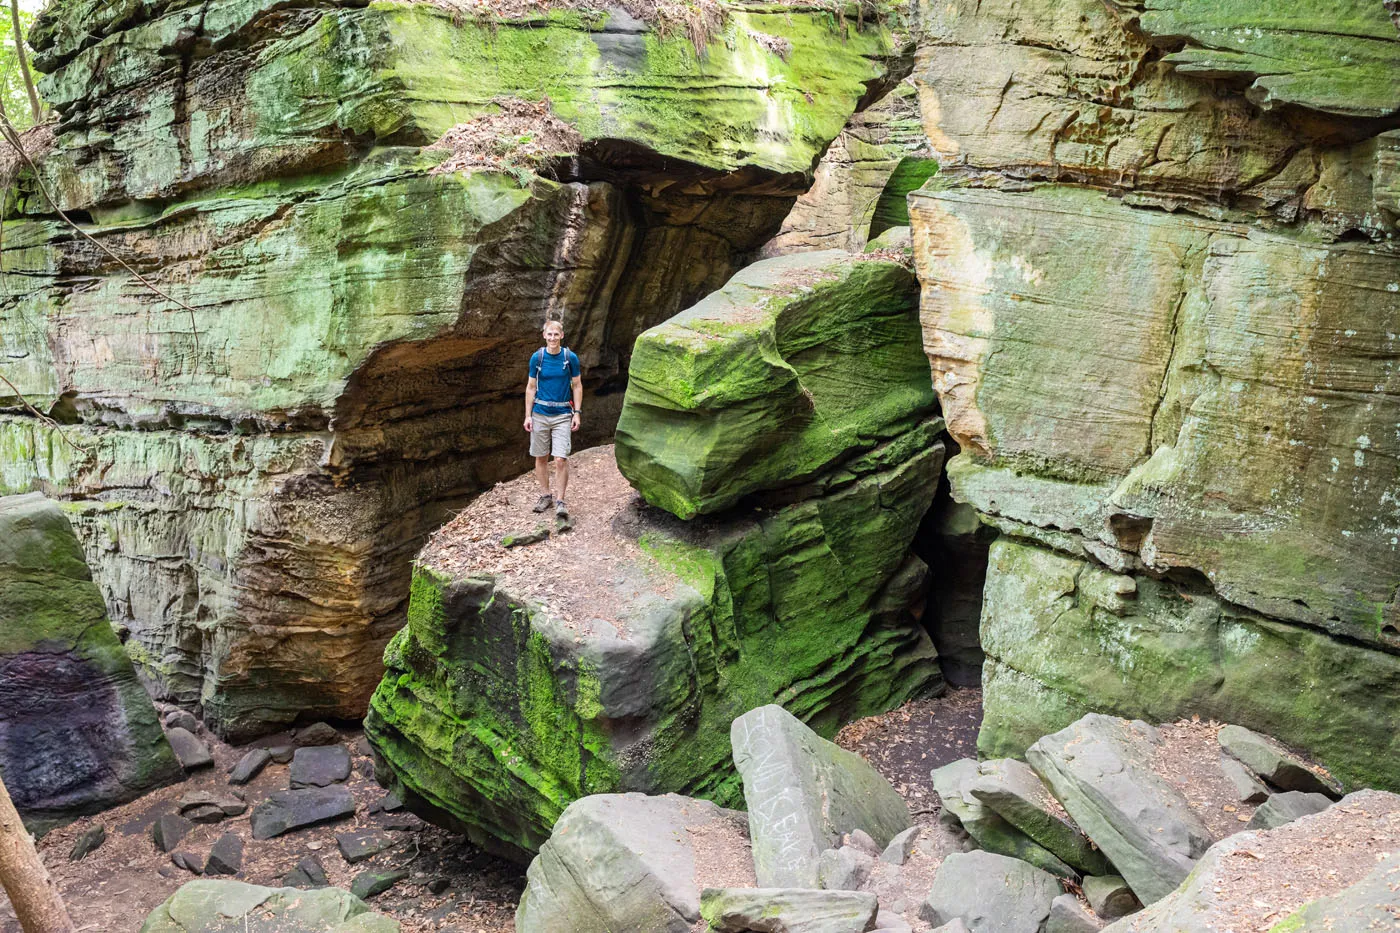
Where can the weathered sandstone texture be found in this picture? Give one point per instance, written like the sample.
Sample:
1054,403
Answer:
1161,300
250,478
615,656
77,732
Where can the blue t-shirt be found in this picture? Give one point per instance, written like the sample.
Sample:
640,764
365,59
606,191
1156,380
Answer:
554,395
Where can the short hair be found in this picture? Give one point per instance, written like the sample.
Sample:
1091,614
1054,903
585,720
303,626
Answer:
545,325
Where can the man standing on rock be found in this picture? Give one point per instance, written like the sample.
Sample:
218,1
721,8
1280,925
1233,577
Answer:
553,406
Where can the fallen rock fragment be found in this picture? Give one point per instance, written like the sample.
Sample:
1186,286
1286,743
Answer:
988,828
188,861
1287,807
1099,768
1110,896
792,910
900,847
1018,795
320,766
358,846
225,856
208,905
990,893
182,719
168,830
88,841
318,733
249,766
844,869
223,804
1271,761
525,538
803,793
287,810
1067,915
1249,788
369,884
309,873
191,751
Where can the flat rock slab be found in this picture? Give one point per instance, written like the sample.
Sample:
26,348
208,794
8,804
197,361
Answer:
225,856
989,829
1287,807
1368,905
287,810
250,766
227,804
1269,759
190,749
779,910
633,862
373,883
309,873
1099,768
1247,786
356,847
168,830
803,793
209,906
320,766
990,893
1243,880
1019,796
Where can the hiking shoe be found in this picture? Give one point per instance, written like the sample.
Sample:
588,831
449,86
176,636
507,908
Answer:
543,502
561,510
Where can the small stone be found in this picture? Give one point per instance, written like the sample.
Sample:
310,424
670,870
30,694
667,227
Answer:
861,840
1287,807
438,885
1110,896
389,803
844,869
320,766
367,884
1067,915
182,719
188,861
1276,764
309,873
365,767
250,766
525,538
318,733
204,813
88,841
188,748
402,822
226,804
226,856
168,871
168,830
287,810
901,847
281,754
362,747
358,846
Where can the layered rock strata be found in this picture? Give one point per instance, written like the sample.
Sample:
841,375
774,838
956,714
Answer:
1161,296
253,472
77,732
615,654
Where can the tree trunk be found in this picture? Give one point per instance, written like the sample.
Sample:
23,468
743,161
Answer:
35,107
32,893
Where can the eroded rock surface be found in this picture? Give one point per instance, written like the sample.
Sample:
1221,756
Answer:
218,905
78,733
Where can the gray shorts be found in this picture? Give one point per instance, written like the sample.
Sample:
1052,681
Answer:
552,434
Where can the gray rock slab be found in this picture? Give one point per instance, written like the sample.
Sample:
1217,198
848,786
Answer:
309,873
990,893
1248,787
1110,896
787,910
631,862
227,804
281,754
900,847
956,926
358,846
1274,763
216,906
249,766
182,719
844,869
188,861
88,841
189,749
1287,807
320,766
1100,769
1367,906
1017,794
287,810
803,793
225,856
318,733
168,830
204,813
1067,915
988,828
369,884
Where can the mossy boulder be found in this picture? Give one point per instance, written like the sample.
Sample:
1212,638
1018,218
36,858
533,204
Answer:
78,733
503,703
207,906
799,363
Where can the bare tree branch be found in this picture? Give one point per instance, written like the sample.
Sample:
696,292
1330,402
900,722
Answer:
43,417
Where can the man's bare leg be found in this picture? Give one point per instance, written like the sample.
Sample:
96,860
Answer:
542,474
561,473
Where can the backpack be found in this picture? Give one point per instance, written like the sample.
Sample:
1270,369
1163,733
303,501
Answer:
568,367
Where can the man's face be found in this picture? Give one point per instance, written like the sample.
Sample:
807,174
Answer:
553,336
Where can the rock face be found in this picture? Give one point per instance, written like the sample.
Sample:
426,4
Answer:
803,793
1190,437
77,732
216,905
616,656
797,364
631,862
255,472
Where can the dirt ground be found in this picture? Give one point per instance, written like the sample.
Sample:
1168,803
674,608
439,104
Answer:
114,888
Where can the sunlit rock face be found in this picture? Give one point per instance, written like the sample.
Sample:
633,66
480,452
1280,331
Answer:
1161,302
251,474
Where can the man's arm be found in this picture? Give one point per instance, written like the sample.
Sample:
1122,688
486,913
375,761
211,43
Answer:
531,385
578,402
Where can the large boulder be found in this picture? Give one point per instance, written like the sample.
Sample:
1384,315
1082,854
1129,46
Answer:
990,893
1158,303
616,656
78,733
803,793
1252,880
1101,770
207,906
988,828
799,363
252,473
632,862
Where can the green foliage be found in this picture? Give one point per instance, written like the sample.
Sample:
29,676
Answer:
12,91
